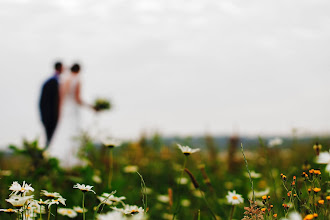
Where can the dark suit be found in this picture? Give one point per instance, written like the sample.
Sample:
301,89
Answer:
49,106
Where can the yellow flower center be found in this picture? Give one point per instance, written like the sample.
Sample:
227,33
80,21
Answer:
22,189
10,210
235,197
134,211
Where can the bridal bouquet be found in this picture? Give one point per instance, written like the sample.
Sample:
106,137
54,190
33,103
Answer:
101,104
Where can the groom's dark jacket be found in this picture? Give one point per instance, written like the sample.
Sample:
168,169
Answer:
49,105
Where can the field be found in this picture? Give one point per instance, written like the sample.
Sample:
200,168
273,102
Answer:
166,182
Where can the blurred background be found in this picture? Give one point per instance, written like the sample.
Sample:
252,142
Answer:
175,67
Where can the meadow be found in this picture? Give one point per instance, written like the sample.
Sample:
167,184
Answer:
269,179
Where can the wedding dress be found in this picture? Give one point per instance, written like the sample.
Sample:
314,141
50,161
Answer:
65,144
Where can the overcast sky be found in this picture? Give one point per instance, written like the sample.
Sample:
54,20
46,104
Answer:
179,67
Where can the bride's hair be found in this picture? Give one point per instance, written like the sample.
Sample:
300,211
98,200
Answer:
75,68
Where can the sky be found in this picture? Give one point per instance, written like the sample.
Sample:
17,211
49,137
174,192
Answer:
176,67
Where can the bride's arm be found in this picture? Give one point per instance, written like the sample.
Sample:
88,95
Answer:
78,98
61,91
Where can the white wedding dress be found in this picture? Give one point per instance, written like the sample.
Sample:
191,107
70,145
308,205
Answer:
65,144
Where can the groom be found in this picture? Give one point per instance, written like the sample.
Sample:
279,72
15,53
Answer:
49,102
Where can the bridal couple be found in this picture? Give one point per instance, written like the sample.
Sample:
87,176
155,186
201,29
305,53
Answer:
59,109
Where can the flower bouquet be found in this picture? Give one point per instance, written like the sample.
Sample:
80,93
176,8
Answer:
101,104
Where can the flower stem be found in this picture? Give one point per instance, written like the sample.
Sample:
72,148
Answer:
110,167
207,204
83,205
179,191
232,212
48,213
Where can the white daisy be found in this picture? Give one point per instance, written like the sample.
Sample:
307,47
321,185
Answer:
113,198
115,215
234,198
79,209
18,201
131,169
294,216
56,201
163,198
67,212
104,200
324,158
17,188
187,150
253,174
50,194
84,188
275,142
111,143
9,210
130,209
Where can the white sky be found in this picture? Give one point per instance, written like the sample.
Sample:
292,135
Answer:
179,67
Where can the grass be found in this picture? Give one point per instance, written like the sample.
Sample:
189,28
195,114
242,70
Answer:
159,167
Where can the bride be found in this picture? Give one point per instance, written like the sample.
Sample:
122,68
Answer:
65,145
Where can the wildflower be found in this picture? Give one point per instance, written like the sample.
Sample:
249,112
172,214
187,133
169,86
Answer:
328,198
67,212
109,199
131,169
311,171
304,175
129,209
184,181
234,198
115,215
17,188
309,217
317,172
50,194
185,203
163,198
111,143
309,190
113,198
275,215
283,177
9,210
315,215
275,142
253,174
79,209
321,201
285,206
317,147
18,201
56,201
187,150
324,158
294,216
263,209
264,197
316,190
84,188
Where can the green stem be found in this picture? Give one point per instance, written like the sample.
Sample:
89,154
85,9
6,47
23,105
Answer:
232,212
179,188
247,168
56,211
110,167
40,213
207,204
49,213
83,205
